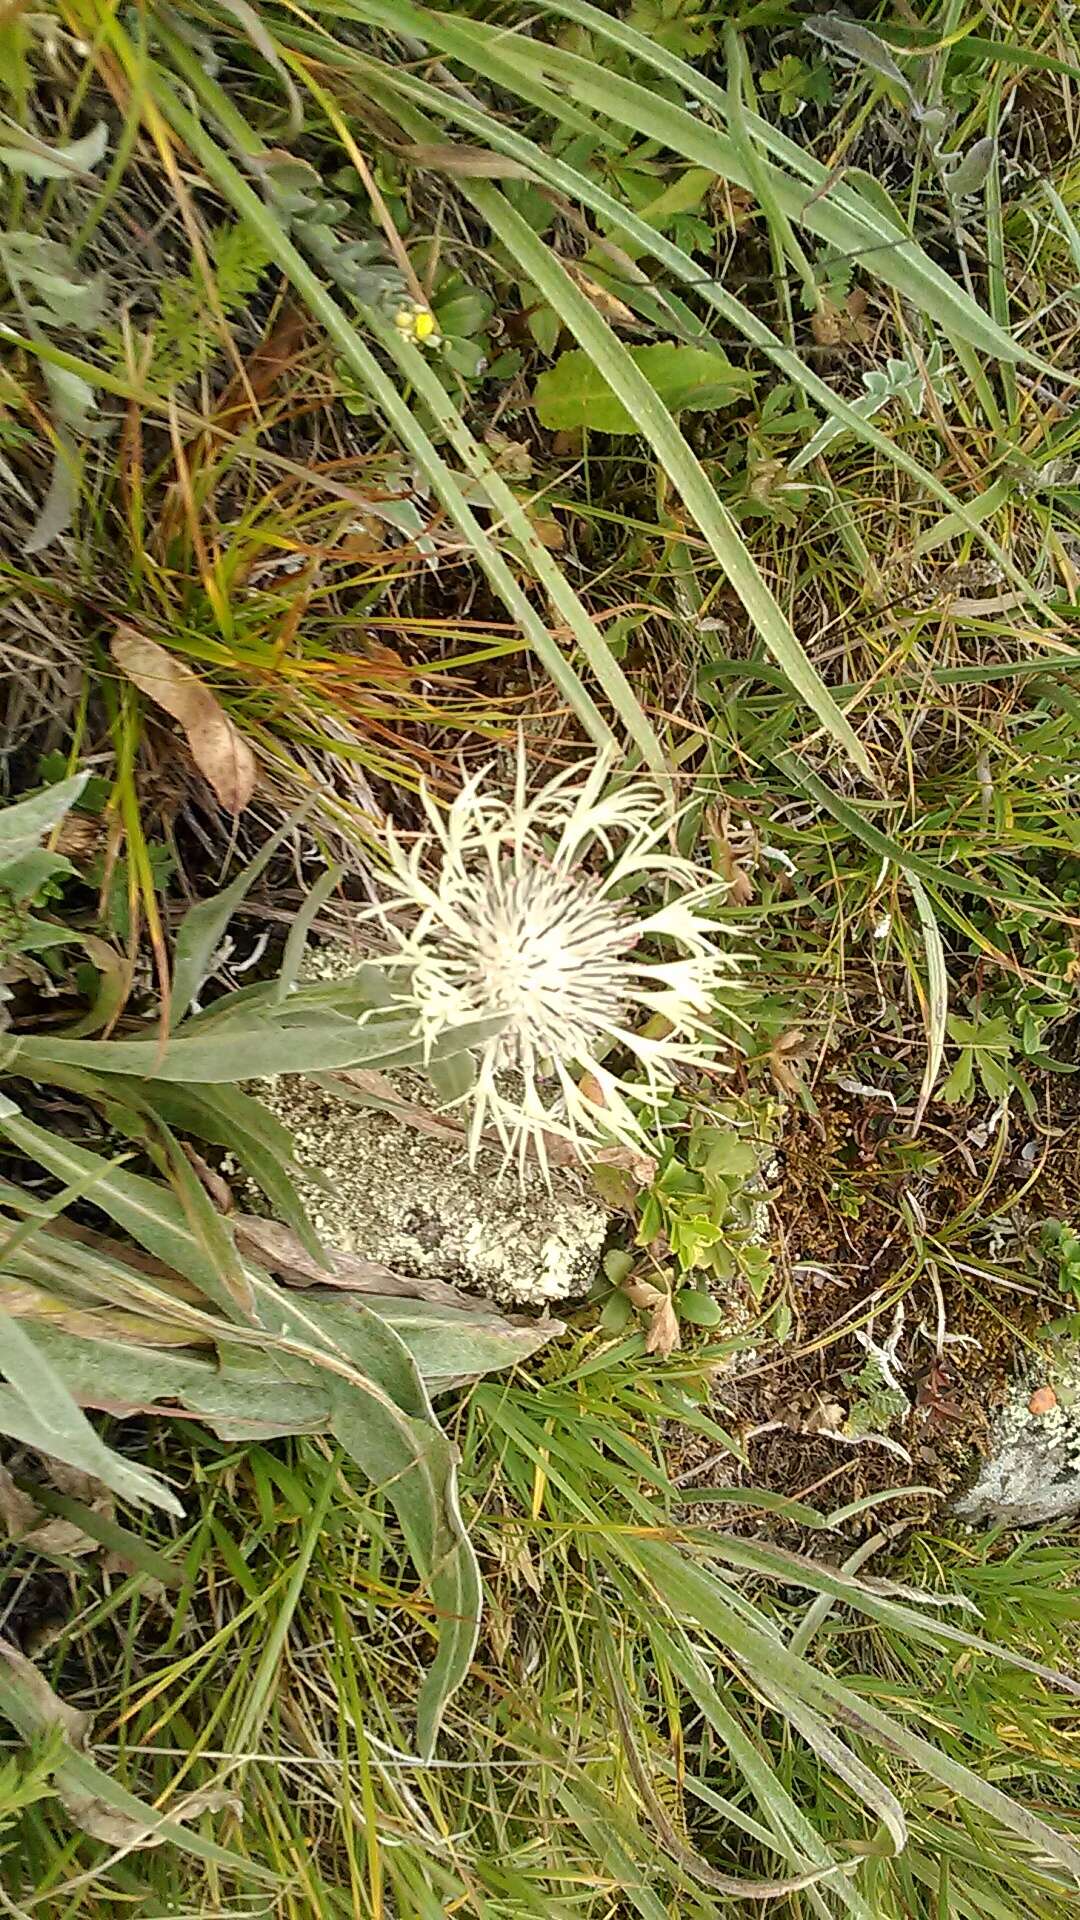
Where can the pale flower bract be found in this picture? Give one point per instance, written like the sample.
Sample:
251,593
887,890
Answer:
568,916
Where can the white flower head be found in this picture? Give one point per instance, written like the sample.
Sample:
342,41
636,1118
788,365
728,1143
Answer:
568,917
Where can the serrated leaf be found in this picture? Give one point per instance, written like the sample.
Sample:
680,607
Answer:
573,393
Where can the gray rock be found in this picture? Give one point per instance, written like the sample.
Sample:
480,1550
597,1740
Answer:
410,1199
1032,1473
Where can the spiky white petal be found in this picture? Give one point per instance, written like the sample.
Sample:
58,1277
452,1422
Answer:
558,914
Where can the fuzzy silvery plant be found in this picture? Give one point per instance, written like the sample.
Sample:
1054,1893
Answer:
567,917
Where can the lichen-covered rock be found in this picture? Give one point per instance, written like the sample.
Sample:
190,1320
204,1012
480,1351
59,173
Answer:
411,1200
1032,1473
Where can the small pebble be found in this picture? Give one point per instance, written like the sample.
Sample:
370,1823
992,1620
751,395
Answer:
1043,1400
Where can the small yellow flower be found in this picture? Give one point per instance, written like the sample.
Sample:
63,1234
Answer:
419,322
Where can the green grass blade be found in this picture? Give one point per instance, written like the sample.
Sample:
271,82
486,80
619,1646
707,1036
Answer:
936,1002
405,424
683,468
583,188
851,222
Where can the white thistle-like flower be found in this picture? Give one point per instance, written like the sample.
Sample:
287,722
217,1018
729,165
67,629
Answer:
497,912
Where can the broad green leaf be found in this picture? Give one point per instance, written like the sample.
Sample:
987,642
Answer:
382,1416
58,507
24,877
573,393
239,1393
971,173
38,1410
448,1345
73,399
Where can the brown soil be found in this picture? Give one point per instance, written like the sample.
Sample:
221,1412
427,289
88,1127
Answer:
848,1252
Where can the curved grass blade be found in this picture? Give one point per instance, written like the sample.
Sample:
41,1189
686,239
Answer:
406,425
690,1591
625,379
584,189
851,222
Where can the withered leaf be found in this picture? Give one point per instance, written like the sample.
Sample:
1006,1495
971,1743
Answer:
470,163
662,1335
843,326
278,1248
221,754
602,298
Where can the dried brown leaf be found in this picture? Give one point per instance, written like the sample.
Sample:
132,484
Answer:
45,1706
39,1710
221,754
662,1335
605,302
278,1248
17,1511
843,326
784,1055
216,1185
468,163
740,886
96,1817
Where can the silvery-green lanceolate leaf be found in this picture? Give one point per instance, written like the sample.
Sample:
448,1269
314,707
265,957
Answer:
38,1409
24,826
39,162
